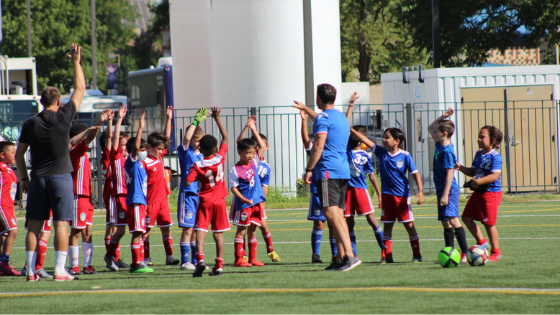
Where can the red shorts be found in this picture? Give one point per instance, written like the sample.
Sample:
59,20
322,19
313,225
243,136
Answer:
249,215
357,200
47,225
8,220
82,213
121,210
483,207
110,209
158,211
136,218
212,212
395,207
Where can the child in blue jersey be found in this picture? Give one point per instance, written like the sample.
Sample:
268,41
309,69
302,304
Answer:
485,200
187,203
137,188
249,196
447,190
394,163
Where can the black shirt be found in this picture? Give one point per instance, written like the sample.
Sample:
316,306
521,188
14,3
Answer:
47,134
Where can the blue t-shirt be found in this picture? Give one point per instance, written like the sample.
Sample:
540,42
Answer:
264,172
486,164
136,181
313,185
444,158
362,161
392,169
245,178
187,158
335,125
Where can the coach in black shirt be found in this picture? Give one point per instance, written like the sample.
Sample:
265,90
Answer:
50,187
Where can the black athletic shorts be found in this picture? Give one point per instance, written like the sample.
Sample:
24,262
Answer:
332,192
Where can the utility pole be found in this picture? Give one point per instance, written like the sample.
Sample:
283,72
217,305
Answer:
93,46
29,42
436,34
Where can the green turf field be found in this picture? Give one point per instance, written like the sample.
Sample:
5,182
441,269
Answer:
526,280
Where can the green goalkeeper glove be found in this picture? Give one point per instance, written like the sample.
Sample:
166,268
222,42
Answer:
200,116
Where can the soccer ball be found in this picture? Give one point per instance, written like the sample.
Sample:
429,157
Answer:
477,256
449,257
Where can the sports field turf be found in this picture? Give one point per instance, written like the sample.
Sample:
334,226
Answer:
526,280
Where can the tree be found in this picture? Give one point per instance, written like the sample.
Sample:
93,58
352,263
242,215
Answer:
58,23
373,41
470,28
147,46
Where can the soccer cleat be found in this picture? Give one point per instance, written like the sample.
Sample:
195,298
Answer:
256,263
463,259
170,260
44,274
274,256
246,258
388,260
140,268
200,267
89,270
33,278
75,271
241,263
495,257
349,263
187,266
485,245
24,269
64,277
7,271
110,263
316,259
335,265
417,258
216,272
122,264
148,261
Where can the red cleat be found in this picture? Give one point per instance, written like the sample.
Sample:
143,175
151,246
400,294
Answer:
256,263
241,263
7,270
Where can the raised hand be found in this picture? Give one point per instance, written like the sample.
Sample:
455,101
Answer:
448,113
75,53
354,98
143,120
122,112
106,114
252,119
200,115
215,112
303,115
299,105
169,112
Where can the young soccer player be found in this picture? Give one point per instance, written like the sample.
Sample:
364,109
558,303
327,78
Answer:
187,203
158,205
8,220
137,186
485,200
447,189
394,163
212,193
82,219
247,189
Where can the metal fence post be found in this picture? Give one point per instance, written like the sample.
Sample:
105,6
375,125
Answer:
409,143
506,140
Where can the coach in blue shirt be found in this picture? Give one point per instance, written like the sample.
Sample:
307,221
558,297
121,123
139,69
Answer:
329,162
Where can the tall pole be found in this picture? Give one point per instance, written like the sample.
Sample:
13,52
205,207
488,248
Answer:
436,34
308,54
29,42
93,46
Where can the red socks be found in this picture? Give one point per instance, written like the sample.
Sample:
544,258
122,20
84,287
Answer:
41,253
238,244
146,241
252,249
387,245
168,245
415,244
268,241
136,249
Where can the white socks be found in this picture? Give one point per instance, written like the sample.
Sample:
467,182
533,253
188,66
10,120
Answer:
87,248
59,262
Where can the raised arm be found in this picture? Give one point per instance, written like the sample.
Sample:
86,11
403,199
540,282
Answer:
311,113
138,141
109,131
22,165
216,115
243,133
260,141
304,130
432,128
79,79
117,133
198,118
94,131
362,138
82,135
353,99
169,115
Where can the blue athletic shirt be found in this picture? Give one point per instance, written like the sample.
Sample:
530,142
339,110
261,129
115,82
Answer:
486,164
245,178
264,172
136,181
187,158
444,158
334,160
393,170
362,160
313,185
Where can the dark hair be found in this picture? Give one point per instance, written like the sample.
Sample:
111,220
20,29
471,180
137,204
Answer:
245,144
326,93
131,144
198,132
156,139
50,95
361,129
496,136
208,145
254,138
77,128
5,144
446,126
353,142
397,134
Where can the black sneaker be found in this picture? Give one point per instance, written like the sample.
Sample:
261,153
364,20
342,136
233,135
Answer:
417,258
200,267
349,263
316,259
216,272
388,260
334,266
122,264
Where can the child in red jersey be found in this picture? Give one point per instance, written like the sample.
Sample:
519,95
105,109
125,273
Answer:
157,208
8,221
212,204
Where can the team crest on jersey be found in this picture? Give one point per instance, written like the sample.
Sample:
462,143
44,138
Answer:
82,216
243,216
122,214
189,215
400,163
148,219
317,212
14,221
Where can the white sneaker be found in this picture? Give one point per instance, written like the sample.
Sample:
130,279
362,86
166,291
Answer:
64,276
188,266
148,261
44,274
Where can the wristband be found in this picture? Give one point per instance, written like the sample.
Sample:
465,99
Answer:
195,123
308,170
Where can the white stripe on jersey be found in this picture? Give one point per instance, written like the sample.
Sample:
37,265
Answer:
213,161
1,186
119,175
80,177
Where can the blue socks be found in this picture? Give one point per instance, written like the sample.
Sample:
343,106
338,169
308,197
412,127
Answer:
6,258
379,235
194,250
353,240
334,251
185,252
316,237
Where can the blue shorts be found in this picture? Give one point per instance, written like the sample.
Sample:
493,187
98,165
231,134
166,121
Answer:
315,210
51,192
186,209
451,210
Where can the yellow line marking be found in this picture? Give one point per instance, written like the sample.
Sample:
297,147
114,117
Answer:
512,291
